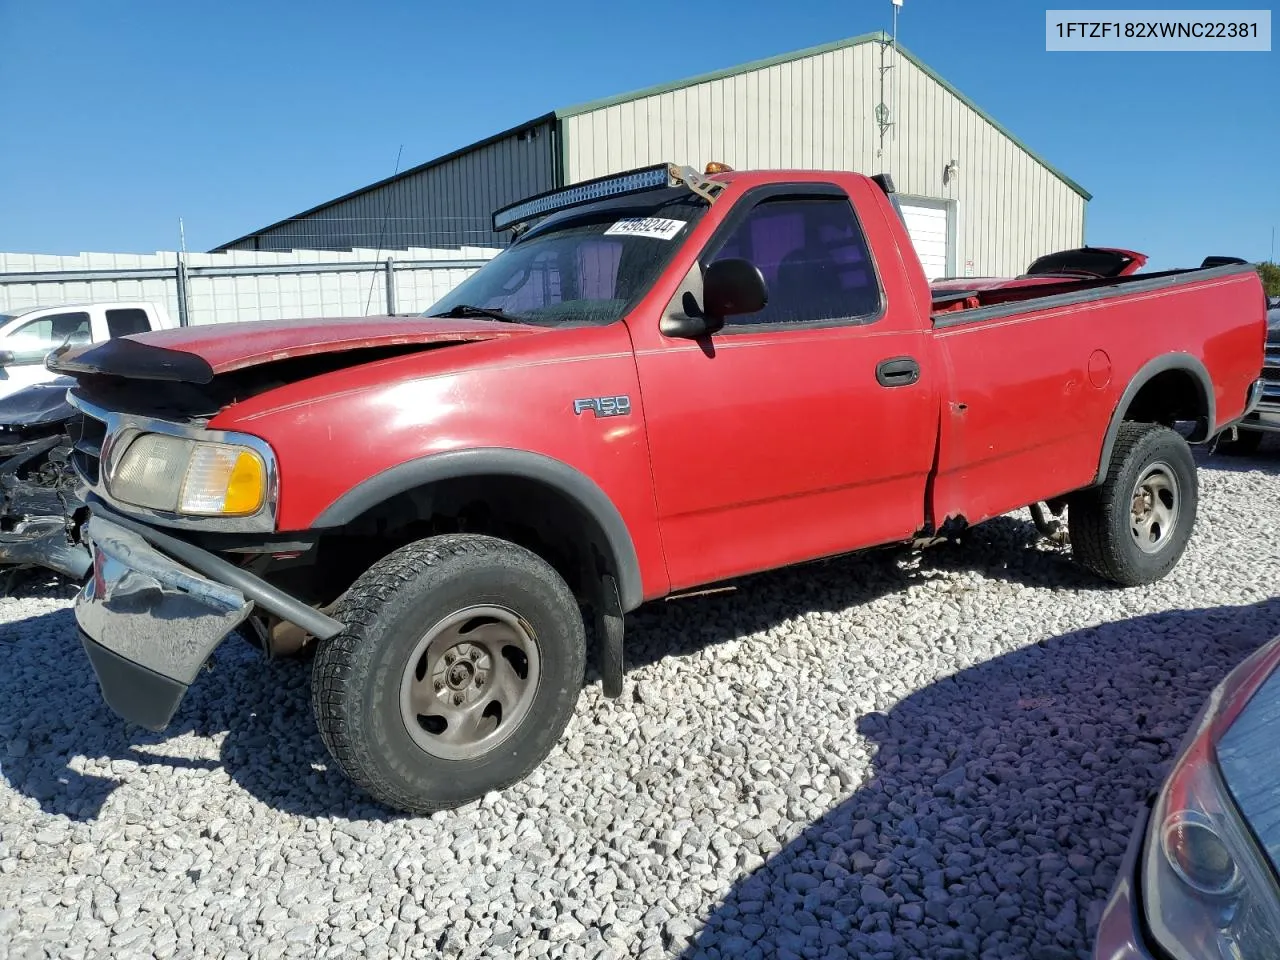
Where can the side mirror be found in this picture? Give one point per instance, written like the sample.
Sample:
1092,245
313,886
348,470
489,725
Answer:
730,287
733,287
7,359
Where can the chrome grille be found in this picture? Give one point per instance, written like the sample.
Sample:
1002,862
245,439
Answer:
87,434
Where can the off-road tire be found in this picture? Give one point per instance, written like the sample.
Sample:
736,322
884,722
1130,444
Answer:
357,675
1245,444
1100,518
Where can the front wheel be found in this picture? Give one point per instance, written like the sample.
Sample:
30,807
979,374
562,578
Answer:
459,669
1134,527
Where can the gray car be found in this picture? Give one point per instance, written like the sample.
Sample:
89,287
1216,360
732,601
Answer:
1265,418
1200,878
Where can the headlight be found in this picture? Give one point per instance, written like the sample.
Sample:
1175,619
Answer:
1207,891
198,477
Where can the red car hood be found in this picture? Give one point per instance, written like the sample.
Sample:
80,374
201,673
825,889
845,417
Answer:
197,354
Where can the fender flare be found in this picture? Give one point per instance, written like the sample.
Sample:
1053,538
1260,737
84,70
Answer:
501,461
1185,362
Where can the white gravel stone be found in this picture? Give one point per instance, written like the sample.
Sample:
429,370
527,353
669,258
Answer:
890,755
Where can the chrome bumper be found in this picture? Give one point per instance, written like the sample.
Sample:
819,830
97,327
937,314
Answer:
149,623
1257,390
1262,411
1264,418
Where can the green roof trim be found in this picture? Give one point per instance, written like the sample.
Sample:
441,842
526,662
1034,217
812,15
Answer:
722,74
877,37
950,88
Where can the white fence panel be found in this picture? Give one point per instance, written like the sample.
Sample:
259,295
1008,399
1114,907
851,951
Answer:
243,285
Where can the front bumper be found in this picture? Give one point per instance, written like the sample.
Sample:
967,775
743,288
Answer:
43,542
1264,418
156,606
149,623
1263,409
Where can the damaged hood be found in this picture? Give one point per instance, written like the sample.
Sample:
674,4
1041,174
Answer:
37,404
198,354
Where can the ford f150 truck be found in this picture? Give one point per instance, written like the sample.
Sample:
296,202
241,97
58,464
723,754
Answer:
669,379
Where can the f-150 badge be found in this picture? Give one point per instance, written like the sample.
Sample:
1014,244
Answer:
603,406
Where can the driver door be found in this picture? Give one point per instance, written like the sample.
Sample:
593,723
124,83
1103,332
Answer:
781,438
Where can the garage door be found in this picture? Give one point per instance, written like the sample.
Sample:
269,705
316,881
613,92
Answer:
928,227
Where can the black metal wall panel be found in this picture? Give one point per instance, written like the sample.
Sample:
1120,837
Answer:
447,203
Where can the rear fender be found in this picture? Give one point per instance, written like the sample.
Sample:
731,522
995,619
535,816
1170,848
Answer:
1183,362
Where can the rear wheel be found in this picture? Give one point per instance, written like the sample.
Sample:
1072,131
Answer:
1134,527
1245,444
459,669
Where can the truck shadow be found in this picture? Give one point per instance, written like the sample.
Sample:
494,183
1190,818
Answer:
991,821
999,803
54,718
1265,460
1007,549
261,711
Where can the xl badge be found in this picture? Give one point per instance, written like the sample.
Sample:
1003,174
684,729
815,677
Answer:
603,406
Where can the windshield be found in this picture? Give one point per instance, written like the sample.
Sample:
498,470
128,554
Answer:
588,265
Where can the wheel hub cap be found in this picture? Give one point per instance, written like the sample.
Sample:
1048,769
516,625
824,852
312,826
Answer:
469,682
1154,509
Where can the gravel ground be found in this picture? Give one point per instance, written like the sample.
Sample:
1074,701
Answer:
891,755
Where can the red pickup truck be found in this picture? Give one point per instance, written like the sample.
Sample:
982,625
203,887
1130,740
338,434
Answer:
669,379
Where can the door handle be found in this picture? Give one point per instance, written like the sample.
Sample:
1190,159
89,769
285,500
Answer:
897,372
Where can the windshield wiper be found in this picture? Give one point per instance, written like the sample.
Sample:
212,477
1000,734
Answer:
461,310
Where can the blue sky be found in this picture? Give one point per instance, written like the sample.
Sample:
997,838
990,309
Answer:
120,117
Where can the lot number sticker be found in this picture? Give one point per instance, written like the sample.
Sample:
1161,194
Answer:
659,228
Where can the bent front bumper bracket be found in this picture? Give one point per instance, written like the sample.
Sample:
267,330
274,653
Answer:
155,607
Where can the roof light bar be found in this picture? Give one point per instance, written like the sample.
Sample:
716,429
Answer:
614,185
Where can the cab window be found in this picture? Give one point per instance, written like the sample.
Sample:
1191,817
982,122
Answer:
31,341
814,259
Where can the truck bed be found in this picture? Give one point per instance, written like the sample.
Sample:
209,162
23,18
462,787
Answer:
951,307
1035,377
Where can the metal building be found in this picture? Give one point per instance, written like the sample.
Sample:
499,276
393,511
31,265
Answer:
977,200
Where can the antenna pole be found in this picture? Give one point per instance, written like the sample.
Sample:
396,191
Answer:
180,277
382,235
884,112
